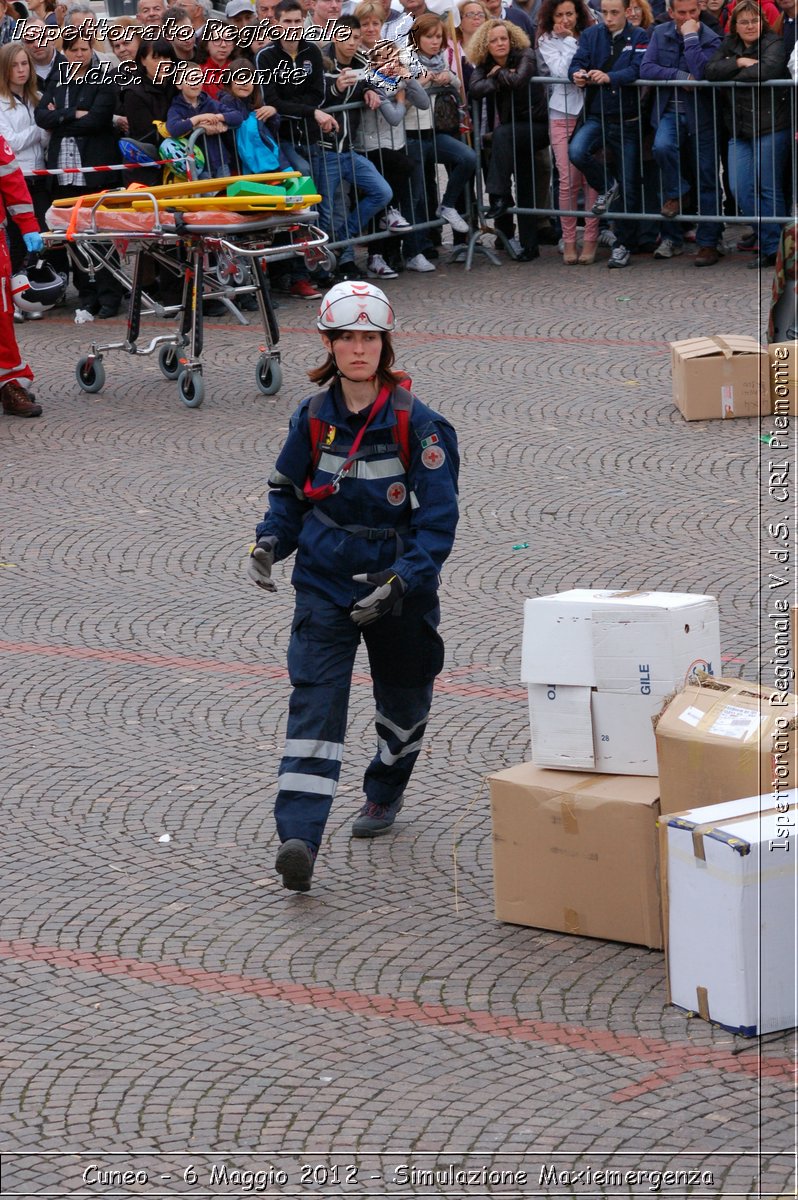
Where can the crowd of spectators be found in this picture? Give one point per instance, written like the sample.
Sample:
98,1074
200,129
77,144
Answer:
385,113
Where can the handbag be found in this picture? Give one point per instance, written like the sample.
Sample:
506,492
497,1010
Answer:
446,113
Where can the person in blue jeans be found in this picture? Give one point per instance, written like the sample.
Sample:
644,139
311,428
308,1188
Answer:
365,491
759,118
607,64
686,140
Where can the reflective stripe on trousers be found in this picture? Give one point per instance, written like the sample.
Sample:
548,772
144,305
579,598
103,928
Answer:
321,656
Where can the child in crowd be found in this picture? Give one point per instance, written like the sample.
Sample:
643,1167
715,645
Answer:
193,108
239,100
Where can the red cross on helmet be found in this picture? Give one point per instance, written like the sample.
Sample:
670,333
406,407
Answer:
354,305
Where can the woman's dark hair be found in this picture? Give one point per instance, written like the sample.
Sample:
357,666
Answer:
160,48
548,9
68,39
328,371
244,64
745,6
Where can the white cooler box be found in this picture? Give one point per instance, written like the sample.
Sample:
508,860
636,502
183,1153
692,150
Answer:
729,910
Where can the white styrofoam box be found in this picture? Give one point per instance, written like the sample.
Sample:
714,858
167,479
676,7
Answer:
623,736
635,642
561,727
730,910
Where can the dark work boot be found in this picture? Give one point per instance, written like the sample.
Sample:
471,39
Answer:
375,819
295,863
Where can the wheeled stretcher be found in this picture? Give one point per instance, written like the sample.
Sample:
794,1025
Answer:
214,247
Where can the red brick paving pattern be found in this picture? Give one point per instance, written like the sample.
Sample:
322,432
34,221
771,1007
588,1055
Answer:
144,691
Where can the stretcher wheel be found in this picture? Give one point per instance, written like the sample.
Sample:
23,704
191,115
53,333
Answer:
268,375
191,387
90,374
169,362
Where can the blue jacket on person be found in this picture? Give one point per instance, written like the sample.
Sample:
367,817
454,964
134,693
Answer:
419,505
672,57
616,100
178,124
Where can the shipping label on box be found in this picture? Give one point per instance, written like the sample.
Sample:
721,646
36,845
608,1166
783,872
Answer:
720,377
723,739
577,853
783,358
728,879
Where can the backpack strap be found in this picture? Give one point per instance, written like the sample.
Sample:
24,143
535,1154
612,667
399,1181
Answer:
402,401
317,428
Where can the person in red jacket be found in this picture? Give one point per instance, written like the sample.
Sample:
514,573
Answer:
16,203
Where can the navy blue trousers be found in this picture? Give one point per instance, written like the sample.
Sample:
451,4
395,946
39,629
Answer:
405,654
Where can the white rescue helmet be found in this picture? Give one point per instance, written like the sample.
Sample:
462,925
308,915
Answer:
39,288
354,305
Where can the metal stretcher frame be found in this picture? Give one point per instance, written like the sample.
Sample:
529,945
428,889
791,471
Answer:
242,252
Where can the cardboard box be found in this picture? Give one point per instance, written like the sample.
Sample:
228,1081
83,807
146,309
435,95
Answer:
580,729
640,643
577,853
783,364
720,377
728,876
724,739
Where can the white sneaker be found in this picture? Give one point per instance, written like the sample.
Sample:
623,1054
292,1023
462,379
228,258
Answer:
393,220
668,249
607,238
452,217
619,258
418,263
378,268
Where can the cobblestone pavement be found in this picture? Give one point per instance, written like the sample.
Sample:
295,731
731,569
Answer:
171,998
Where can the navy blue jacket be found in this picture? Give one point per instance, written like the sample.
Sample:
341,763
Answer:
617,99
178,124
671,57
421,504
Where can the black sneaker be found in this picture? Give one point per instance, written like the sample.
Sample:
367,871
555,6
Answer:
295,863
374,819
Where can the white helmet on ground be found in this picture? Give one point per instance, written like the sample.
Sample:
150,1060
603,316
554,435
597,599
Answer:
354,305
38,289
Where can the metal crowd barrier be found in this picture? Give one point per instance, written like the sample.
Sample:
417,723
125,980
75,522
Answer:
708,106
710,109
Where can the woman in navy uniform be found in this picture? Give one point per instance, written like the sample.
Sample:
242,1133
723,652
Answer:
365,491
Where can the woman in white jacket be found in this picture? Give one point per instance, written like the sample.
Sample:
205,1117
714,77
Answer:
559,26
19,96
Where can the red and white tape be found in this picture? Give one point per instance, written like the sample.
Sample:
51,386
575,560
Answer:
157,162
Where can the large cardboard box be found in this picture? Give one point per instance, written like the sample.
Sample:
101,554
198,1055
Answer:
723,739
577,853
720,377
728,877
783,358
597,665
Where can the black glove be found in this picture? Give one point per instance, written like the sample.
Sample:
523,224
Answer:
261,561
388,592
